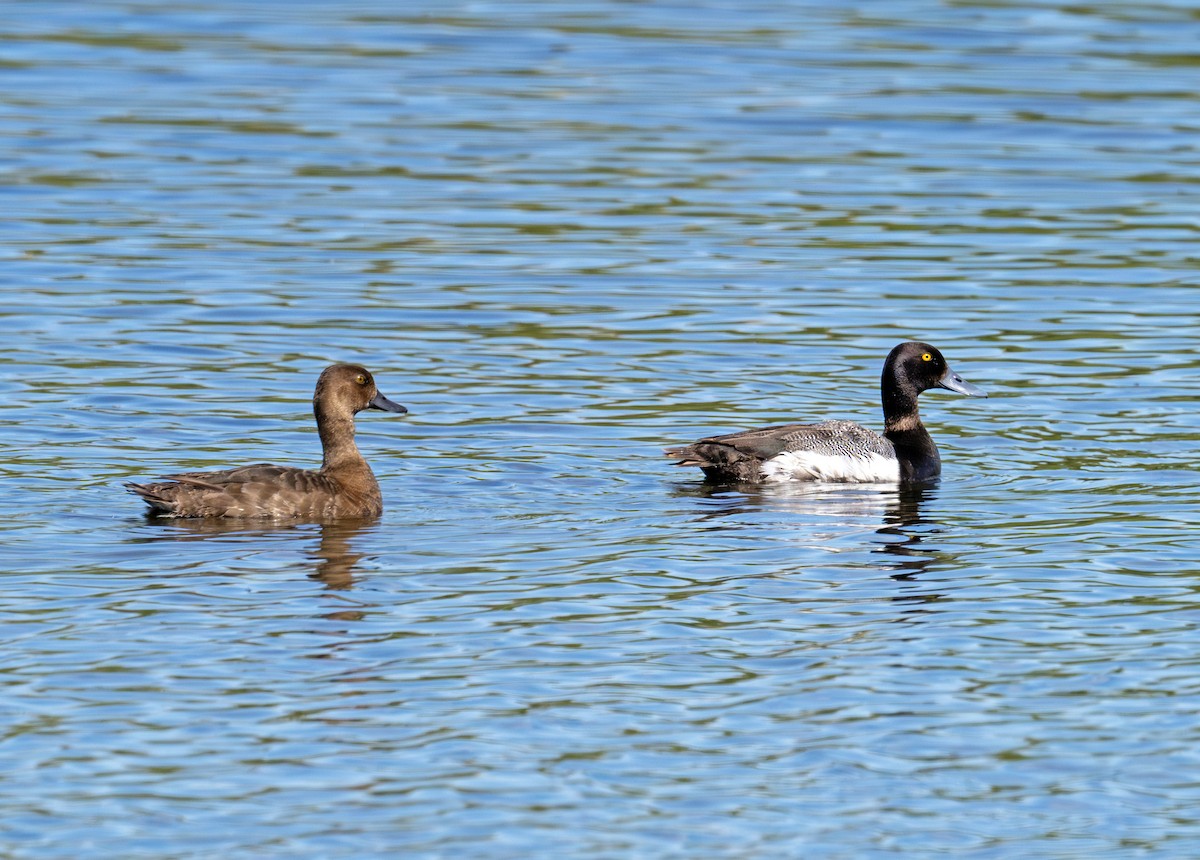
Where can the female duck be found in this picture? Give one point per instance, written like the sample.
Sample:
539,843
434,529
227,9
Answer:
841,450
343,487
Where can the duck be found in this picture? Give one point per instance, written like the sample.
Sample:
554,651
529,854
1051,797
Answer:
841,451
344,487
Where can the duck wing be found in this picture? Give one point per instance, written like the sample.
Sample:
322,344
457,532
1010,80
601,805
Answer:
740,456
260,490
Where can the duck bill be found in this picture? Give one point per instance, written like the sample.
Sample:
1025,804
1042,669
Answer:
951,381
384,405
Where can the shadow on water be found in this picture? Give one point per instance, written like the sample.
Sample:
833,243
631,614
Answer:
334,556
901,510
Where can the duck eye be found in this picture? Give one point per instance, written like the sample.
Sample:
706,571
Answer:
926,357
361,379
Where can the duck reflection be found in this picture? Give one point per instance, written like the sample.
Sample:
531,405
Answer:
905,520
900,508
333,555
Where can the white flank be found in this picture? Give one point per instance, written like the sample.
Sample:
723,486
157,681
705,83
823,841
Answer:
866,468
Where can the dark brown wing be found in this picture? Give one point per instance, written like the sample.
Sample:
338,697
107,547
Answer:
261,490
761,444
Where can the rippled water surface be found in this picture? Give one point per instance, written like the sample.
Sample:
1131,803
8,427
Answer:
566,235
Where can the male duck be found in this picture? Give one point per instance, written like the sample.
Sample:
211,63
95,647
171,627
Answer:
343,487
841,450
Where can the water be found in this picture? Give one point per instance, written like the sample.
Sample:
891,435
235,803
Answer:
566,235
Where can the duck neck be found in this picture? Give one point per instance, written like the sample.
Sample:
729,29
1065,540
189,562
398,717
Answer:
900,413
337,441
918,455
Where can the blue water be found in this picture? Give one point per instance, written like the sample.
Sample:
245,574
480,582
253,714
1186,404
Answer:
566,235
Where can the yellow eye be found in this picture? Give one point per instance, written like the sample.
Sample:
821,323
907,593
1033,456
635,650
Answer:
926,357
361,379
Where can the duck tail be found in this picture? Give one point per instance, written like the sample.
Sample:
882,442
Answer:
152,496
687,455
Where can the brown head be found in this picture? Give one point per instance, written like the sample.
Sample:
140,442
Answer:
345,389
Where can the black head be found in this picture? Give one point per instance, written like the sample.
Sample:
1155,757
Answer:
914,367
350,388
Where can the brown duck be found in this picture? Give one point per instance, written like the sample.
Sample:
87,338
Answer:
343,487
